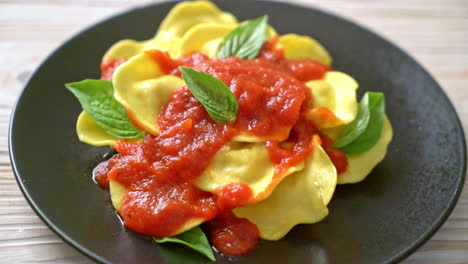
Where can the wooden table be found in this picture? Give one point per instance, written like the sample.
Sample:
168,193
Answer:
435,32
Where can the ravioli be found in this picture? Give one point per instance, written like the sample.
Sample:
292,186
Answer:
303,47
203,38
117,192
180,20
360,165
143,89
299,198
91,133
334,100
243,163
206,38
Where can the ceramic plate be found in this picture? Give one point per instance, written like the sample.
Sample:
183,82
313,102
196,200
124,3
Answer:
380,220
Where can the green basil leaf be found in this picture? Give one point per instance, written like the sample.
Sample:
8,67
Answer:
175,254
372,133
97,99
194,239
212,93
354,129
245,41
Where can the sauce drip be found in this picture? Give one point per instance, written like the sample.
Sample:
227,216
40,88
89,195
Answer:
102,169
336,156
231,235
159,171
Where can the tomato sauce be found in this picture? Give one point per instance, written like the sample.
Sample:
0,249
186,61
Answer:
233,195
108,67
336,156
231,235
159,172
296,148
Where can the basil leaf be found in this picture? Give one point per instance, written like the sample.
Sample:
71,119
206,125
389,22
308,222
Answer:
372,133
245,41
354,129
97,99
176,254
194,239
212,93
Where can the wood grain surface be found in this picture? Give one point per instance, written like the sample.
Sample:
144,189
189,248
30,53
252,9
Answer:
435,32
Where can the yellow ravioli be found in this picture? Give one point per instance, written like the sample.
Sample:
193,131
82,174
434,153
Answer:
243,163
117,191
299,198
91,133
143,89
304,47
337,93
360,165
178,22
203,38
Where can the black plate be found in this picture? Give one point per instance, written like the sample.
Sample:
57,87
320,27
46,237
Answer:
381,220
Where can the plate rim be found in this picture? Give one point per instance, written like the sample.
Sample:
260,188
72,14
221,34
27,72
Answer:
434,227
